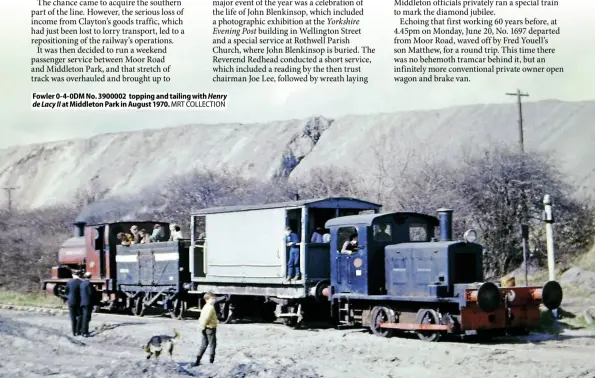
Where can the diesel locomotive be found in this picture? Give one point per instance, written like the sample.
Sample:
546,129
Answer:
405,273
416,282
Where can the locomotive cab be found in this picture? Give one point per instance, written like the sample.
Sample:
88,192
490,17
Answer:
362,270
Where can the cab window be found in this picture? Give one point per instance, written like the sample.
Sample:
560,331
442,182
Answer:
383,232
344,235
418,232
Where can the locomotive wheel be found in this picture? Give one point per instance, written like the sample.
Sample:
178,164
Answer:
521,331
138,308
382,314
179,309
428,317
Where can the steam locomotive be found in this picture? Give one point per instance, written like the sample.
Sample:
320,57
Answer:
400,277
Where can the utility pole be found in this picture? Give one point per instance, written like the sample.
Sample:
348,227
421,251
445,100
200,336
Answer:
9,192
524,208
548,218
519,95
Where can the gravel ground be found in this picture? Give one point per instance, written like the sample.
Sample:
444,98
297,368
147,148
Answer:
39,345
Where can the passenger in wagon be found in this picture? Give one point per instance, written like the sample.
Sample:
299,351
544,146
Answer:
177,233
135,234
144,236
172,229
350,247
317,236
124,238
292,240
157,234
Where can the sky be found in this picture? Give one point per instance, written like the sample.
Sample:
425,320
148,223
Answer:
191,55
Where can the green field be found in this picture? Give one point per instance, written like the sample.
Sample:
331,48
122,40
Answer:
40,299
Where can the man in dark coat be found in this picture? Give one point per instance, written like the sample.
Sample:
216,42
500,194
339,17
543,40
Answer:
73,293
87,302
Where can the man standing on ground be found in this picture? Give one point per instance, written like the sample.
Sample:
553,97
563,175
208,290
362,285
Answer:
87,302
207,324
73,288
292,240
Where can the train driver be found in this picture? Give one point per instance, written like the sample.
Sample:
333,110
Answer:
381,234
350,246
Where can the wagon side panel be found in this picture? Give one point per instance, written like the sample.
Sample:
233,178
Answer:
246,245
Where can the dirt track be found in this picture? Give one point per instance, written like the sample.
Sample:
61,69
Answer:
36,345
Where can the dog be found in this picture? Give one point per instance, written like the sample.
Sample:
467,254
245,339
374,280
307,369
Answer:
161,343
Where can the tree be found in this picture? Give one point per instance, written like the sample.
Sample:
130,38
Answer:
328,182
503,187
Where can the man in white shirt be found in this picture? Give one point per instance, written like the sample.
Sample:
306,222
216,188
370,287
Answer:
177,233
317,236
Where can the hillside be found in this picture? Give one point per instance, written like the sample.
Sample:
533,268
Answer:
126,162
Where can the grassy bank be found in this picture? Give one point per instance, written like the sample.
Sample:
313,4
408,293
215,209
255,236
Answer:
39,299
566,320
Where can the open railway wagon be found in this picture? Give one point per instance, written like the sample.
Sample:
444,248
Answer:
239,253
401,278
153,275
126,278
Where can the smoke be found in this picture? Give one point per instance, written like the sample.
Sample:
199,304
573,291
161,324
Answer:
110,210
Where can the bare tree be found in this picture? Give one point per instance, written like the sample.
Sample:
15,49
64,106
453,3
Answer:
29,245
329,182
486,188
91,193
500,186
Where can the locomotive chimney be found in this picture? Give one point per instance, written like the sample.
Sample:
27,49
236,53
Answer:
79,229
445,216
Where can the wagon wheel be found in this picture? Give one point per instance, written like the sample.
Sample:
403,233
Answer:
267,313
224,312
428,317
179,309
269,316
297,320
290,321
138,308
382,314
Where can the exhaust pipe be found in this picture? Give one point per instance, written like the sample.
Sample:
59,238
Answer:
445,216
79,229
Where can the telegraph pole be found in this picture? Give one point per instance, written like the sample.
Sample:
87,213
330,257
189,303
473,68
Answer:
9,192
524,227
519,95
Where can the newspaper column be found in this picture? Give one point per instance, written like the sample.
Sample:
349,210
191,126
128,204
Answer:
548,218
